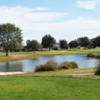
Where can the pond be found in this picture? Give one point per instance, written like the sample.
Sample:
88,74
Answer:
29,65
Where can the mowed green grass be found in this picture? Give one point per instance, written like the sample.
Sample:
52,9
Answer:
62,73
29,55
49,85
48,88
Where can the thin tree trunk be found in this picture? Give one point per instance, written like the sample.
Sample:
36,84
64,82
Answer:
6,52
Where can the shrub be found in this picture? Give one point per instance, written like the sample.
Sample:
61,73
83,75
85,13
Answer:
91,55
68,65
74,65
65,65
48,66
52,66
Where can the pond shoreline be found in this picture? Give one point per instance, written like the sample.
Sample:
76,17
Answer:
30,65
16,56
11,73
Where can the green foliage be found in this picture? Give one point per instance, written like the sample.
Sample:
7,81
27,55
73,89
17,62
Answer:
96,41
48,66
68,65
83,41
32,45
73,44
48,41
63,44
10,37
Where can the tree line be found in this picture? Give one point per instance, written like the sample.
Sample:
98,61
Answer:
11,39
85,42
49,42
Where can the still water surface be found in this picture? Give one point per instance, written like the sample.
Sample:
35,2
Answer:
29,65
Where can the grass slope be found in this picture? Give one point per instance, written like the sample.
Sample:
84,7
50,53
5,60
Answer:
48,88
61,72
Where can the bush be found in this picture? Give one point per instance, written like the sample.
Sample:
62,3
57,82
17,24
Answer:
74,65
91,55
52,66
65,65
48,66
68,65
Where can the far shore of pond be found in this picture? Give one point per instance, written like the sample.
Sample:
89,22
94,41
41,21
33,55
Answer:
14,56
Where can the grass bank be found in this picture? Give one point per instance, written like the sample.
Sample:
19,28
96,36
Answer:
29,55
48,88
61,72
54,85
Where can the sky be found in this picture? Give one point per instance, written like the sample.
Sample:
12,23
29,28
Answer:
62,19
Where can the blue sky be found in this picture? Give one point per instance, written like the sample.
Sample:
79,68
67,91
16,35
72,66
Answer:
63,19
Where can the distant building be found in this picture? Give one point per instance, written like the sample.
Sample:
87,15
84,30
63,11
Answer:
1,49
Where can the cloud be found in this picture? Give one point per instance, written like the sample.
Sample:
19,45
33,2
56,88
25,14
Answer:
86,4
35,24
68,30
28,15
85,26
41,9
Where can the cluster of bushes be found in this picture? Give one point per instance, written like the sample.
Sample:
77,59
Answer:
52,66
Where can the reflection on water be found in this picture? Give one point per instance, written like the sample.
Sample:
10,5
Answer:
29,65
11,67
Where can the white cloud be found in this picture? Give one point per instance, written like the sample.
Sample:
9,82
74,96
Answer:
40,9
28,15
75,26
65,30
86,4
36,24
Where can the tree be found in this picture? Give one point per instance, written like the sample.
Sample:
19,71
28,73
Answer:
48,41
96,42
32,45
63,44
83,41
73,44
10,37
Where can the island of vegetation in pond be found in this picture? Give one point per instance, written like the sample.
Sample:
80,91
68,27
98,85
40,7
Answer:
94,55
52,66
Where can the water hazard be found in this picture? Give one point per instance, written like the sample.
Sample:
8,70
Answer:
29,65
